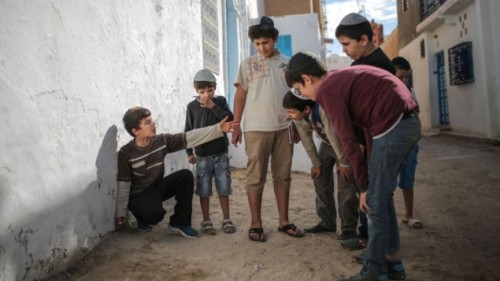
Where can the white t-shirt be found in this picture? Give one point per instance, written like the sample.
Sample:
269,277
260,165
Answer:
264,80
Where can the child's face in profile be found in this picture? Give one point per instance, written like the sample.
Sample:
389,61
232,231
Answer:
297,115
353,48
403,75
147,128
205,94
265,46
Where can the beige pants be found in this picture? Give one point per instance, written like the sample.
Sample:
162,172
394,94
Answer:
260,146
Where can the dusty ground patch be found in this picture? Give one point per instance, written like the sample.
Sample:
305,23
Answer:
457,198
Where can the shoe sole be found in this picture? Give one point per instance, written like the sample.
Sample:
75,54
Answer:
396,276
178,231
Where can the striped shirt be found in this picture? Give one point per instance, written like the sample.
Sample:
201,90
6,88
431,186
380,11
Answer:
144,166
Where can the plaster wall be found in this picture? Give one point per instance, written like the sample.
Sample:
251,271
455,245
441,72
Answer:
68,72
304,30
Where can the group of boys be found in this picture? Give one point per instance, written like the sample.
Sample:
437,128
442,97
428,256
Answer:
364,115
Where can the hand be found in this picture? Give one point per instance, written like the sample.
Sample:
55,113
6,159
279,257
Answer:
224,125
363,204
363,150
345,173
192,159
237,134
121,223
209,103
315,172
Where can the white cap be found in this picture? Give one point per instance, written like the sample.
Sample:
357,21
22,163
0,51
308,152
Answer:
204,75
352,19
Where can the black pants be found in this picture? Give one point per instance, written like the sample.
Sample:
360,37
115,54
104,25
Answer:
147,206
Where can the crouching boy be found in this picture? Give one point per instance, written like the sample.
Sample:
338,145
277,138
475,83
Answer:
142,187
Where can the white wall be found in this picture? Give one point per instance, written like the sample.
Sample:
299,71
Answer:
68,72
304,30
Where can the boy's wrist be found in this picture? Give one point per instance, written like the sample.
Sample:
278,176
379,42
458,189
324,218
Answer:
235,124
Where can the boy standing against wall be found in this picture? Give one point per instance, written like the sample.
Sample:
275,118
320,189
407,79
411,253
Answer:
142,187
211,158
309,117
260,87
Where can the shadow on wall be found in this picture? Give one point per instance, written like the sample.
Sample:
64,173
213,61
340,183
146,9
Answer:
55,238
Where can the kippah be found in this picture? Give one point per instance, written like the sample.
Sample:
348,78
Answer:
352,19
267,21
298,94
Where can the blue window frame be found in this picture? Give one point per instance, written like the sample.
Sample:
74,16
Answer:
284,45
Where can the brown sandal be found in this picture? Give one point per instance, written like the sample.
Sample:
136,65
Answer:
259,231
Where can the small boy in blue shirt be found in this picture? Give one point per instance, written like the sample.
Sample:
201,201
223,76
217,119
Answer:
211,158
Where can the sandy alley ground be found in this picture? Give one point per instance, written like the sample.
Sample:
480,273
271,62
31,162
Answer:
457,199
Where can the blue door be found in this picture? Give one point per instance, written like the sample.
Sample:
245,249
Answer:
442,93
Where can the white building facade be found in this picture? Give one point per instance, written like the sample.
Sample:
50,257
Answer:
455,63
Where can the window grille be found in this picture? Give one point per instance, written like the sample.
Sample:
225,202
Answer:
210,37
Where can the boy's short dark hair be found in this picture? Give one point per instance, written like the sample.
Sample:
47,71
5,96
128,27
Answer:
264,29
132,118
302,63
292,101
204,84
401,63
354,26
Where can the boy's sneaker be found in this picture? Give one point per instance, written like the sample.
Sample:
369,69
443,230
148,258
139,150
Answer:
186,231
317,229
367,275
354,244
396,270
346,235
144,227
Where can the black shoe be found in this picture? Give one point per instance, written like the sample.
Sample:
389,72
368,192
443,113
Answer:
368,275
318,228
354,244
346,235
396,270
144,227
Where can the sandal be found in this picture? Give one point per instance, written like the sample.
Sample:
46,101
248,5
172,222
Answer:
207,227
228,226
413,223
256,234
295,231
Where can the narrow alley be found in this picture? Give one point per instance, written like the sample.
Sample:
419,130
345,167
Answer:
457,192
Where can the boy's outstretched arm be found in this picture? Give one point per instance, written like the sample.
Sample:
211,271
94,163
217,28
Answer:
202,135
240,98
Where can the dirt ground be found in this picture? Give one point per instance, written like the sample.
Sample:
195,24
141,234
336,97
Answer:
457,194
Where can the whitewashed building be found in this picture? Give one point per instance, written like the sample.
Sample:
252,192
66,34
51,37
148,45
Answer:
452,46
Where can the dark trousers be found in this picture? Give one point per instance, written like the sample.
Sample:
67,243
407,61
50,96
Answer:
147,206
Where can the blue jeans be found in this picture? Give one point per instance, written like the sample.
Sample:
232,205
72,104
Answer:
388,154
209,167
407,172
